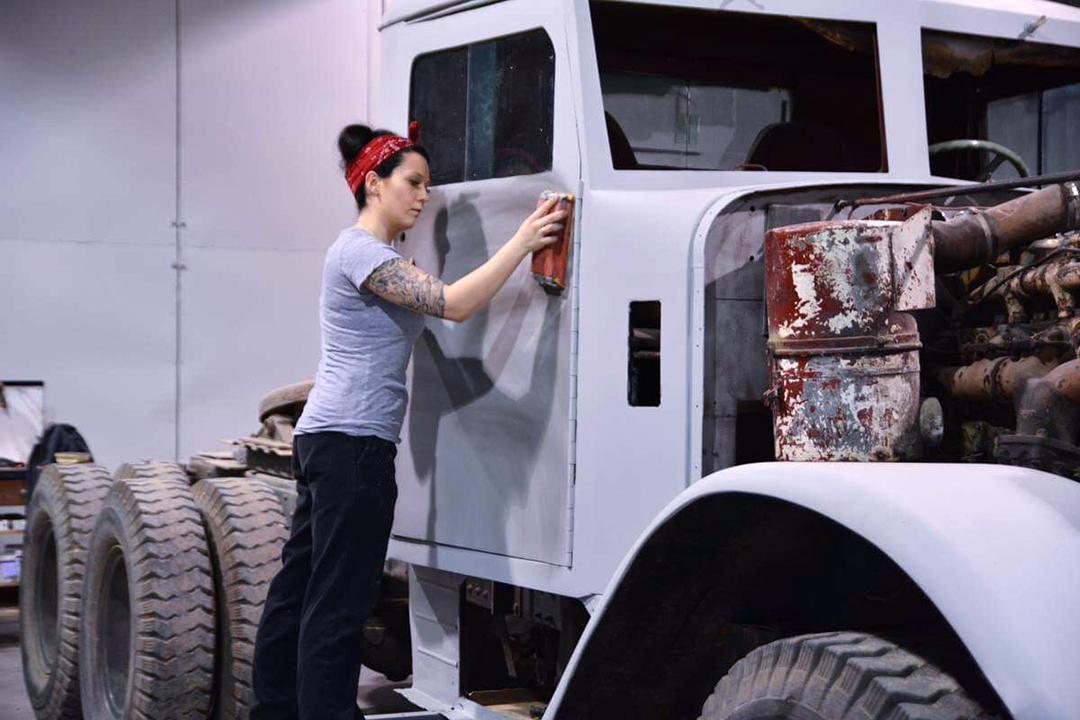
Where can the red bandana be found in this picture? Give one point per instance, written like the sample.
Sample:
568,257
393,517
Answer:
375,153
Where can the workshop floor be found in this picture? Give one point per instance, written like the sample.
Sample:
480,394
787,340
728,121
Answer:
14,705
375,691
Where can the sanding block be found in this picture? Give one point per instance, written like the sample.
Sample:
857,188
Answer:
549,262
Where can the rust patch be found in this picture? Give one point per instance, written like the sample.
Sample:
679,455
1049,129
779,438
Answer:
845,365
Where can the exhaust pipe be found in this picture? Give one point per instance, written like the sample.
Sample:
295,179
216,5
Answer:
978,238
1049,405
994,379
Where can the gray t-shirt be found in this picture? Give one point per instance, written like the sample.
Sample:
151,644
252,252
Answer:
366,343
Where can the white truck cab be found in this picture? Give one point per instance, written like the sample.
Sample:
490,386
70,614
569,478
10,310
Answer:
590,503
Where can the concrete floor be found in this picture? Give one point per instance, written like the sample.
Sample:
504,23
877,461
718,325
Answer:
14,705
375,691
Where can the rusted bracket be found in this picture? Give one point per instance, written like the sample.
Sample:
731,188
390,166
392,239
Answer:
951,190
1031,27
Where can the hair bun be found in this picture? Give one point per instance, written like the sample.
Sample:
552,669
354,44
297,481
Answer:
353,138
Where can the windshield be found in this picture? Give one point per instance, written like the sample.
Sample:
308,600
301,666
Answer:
714,90
999,108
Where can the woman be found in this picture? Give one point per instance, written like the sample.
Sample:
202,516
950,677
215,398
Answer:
307,651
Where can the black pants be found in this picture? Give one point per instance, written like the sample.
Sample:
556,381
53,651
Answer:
308,648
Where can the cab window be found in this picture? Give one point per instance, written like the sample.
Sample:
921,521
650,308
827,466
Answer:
997,108
693,89
486,110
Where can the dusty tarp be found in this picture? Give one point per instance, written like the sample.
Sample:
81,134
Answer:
945,54
850,36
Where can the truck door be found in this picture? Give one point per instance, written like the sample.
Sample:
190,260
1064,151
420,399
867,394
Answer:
485,458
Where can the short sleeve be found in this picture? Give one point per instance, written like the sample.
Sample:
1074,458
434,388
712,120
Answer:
362,255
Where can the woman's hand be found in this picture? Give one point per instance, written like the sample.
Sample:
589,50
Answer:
404,284
541,228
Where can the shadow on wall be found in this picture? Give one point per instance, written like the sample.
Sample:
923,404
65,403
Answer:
455,377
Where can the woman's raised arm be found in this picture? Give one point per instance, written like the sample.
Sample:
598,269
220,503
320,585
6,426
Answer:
404,284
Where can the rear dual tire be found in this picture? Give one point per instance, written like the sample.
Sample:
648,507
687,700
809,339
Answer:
157,470
148,603
247,530
59,523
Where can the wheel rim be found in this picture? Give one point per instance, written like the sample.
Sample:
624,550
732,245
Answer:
115,647
47,600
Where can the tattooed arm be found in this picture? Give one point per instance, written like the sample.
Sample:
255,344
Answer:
402,283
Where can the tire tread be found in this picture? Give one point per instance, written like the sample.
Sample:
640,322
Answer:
247,529
172,606
76,492
842,675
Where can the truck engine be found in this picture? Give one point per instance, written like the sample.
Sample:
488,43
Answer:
904,331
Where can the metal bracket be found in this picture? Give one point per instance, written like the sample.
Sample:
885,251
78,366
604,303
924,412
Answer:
912,247
479,591
1031,27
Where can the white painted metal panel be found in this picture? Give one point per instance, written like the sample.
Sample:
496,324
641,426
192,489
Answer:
484,459
95,321
435,625
640,245
249,324
631,460
88,116
265,89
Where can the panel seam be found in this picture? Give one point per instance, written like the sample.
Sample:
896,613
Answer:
178,265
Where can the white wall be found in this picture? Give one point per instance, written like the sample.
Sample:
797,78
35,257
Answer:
118,118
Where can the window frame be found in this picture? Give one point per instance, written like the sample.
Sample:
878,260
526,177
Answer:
552,154
870,17
977,33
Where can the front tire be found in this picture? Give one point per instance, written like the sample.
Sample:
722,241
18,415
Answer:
837,676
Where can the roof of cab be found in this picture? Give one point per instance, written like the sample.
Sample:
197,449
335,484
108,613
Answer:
409,10
406,10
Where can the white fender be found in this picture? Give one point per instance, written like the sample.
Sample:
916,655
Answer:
995,548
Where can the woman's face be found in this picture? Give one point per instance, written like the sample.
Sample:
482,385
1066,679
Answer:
403,194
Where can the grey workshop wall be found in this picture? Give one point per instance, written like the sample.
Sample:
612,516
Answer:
168,185
87,299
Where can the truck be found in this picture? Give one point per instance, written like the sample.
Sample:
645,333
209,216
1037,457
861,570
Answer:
799,439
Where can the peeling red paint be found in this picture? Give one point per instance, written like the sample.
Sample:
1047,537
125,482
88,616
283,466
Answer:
844,359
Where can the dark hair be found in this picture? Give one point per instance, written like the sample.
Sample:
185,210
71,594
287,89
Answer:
353,138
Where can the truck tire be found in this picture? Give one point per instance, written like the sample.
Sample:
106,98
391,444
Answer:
59,521
283,488
834,676
147,632
159,470
247,530
288,400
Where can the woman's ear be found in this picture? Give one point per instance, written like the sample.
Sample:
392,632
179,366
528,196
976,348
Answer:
371,184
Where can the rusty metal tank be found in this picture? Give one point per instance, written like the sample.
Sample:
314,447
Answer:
844,362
